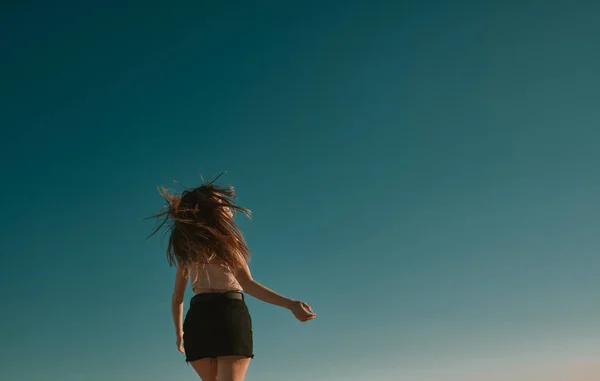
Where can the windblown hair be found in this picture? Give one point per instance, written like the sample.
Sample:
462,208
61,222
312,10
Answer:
200,230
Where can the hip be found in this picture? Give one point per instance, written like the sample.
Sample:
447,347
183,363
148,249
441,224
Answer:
216,310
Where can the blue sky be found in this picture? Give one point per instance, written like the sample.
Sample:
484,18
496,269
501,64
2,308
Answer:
423,173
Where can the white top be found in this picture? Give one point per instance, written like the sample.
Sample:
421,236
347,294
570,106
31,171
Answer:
213,276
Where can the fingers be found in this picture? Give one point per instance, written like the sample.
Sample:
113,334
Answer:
306,306
303,312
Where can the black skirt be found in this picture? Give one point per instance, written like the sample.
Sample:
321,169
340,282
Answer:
217,325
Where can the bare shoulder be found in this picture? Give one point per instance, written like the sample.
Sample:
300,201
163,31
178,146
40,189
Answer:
243,275
181,273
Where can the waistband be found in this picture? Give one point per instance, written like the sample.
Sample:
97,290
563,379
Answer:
210,296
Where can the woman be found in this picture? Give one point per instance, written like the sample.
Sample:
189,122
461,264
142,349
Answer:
210,252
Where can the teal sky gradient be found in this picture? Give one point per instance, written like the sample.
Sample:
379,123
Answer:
423,173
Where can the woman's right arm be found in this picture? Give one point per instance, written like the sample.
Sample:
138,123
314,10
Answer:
177,305
301,310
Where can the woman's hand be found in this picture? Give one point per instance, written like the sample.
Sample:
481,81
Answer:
180,343
302,311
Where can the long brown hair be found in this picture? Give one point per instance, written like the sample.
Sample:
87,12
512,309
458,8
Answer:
200,230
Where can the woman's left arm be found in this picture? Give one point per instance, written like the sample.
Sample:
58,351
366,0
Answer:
177,305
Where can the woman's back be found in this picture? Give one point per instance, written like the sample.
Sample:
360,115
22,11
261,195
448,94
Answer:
213,277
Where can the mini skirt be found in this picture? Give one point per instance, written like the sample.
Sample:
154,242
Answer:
217,324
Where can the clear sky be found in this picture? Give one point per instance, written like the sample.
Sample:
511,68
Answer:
423,173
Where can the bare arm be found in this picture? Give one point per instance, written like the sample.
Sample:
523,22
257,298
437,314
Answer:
301,310
259,291
177,301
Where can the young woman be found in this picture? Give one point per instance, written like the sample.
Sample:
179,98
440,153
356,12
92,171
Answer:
210,252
